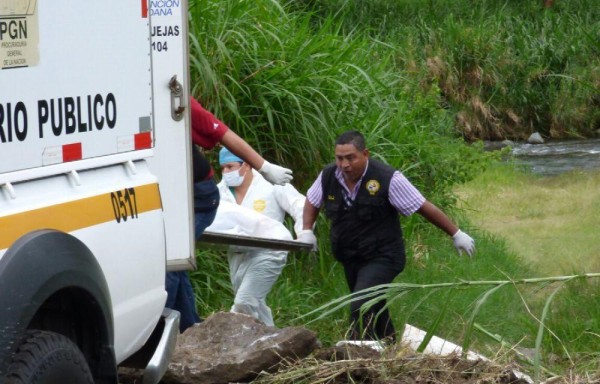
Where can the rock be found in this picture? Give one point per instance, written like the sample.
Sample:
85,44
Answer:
535,138
230,347
497,145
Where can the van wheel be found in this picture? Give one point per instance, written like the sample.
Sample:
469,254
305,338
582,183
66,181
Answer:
48,358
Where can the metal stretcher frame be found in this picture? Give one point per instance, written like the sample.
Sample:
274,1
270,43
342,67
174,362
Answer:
222,239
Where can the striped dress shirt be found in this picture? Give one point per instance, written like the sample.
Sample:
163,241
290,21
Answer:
402,194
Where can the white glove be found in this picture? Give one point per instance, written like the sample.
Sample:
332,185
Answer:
307,236
275,174
464,242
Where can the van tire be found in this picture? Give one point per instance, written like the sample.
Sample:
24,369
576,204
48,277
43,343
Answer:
48,358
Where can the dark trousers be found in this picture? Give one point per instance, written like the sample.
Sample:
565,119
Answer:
361,274
180,294
180,297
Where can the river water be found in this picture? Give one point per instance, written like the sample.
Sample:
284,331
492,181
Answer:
556,157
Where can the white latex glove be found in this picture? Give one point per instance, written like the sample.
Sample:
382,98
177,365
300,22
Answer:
275,174
307,236
464,242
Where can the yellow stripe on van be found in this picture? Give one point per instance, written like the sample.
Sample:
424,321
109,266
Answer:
120,206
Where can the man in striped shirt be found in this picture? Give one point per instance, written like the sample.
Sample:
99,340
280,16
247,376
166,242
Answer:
362,197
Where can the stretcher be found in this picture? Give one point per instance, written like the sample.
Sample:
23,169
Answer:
223,240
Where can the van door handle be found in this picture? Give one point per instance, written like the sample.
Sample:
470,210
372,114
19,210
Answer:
177,102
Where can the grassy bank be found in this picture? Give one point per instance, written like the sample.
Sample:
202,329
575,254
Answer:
550,222
504,68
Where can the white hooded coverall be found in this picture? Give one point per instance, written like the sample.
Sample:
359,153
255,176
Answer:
253,271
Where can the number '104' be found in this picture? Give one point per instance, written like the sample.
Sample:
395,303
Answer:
159,46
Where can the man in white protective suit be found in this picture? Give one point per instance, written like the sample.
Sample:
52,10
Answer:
254,271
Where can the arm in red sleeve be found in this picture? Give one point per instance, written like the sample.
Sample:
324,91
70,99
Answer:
207,130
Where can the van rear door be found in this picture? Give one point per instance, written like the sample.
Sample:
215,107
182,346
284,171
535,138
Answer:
170,93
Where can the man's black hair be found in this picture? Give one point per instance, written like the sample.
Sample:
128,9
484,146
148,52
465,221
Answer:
352,137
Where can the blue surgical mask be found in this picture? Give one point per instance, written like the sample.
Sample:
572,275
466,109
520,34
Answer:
233,178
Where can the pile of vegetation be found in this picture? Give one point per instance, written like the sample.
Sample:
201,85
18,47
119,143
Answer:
397,365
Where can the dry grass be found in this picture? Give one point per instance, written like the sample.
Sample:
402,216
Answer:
397,365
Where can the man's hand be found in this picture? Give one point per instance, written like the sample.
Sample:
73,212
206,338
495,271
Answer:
307,236
464,242
275,174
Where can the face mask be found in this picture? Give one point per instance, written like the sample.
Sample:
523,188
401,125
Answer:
233,178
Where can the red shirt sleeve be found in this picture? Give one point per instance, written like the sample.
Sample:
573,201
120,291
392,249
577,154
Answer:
207,130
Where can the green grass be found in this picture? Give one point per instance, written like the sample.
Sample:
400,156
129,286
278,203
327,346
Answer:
550,222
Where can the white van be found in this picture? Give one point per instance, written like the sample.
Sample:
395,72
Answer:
95,186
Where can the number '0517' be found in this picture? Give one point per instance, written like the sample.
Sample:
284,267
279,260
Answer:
124,204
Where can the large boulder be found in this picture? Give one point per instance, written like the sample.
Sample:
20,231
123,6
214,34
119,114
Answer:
535,138
230,347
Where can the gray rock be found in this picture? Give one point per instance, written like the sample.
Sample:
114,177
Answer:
535,138
230,347
497,145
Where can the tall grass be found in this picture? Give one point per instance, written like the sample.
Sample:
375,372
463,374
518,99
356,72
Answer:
505,68
290,88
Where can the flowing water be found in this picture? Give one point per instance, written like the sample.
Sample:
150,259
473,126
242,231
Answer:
553,158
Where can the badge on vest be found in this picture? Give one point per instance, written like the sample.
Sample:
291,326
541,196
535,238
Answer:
372,186
330,197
